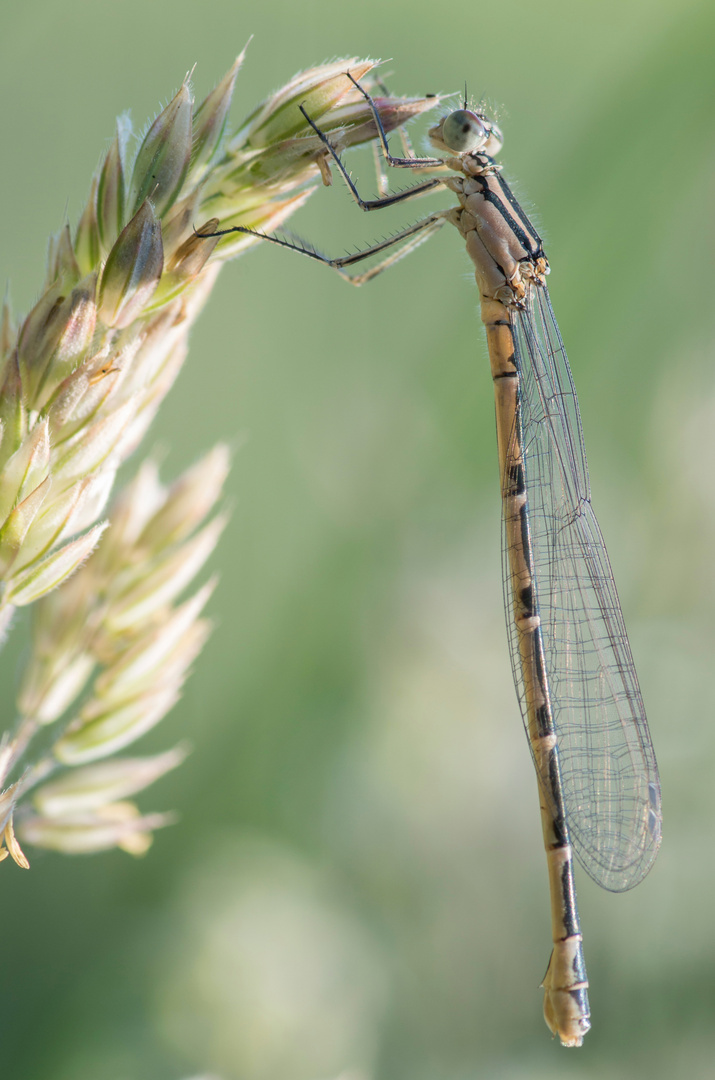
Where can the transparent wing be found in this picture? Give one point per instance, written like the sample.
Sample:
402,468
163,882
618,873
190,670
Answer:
608,768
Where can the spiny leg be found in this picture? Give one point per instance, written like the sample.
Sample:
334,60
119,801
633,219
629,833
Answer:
395,162
401,132
398,163
378,153
413,236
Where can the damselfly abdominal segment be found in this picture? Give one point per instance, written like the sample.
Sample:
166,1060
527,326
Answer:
575,679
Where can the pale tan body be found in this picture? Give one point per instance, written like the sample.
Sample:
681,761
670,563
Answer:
504,272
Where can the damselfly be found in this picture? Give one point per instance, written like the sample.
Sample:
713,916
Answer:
574,673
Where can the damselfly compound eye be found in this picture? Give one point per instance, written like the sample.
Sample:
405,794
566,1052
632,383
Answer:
463,131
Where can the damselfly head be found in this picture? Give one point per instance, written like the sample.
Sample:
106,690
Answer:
464,132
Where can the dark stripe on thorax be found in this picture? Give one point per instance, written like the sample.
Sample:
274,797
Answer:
514,202
531,241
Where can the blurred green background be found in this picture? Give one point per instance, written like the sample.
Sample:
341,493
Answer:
357,885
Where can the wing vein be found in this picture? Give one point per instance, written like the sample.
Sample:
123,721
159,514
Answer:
608,767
